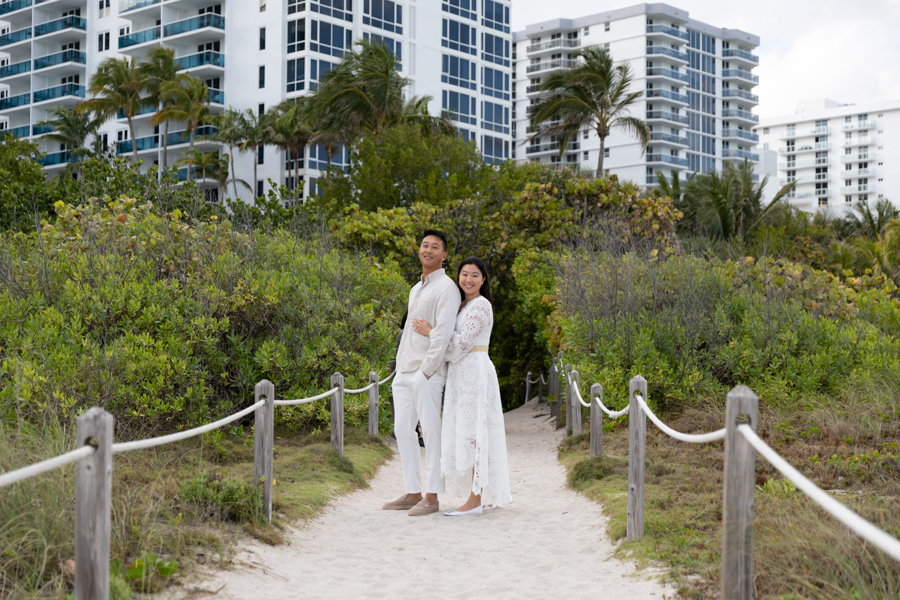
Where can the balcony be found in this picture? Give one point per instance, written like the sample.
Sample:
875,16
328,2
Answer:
668,116
145,143
8,7
862,141
70,22
66,56
736,54
139,37
668,159
59,91
733,113
737,93
15,69
178,137
216,96
671,31
57,158
811,193
21,132
669,138
198,60
809,162
858,125
668,73
14,37
560,43
194,23
739,74
861,157
550,147
670,52
805,148
15,101
740,133
552,64
668,95
532,89
856,173
858,189
127,5
144,110
734,153
823,130
41,129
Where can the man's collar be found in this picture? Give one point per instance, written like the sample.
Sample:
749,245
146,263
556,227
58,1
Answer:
430,276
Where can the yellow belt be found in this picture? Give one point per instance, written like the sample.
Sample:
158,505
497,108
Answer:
478,349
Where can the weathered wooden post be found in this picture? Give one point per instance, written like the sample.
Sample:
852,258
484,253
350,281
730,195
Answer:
541,388
528,387
737,510
93,506
337,413
553,389
569,400
264,442
637,435
373,403
576,405
596,420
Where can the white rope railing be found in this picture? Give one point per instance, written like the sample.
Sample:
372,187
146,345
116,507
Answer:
44,466
183,435
360,390
703,438
385,380
305,400
866,530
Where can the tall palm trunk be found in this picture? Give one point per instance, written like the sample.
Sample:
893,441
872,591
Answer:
255,167
297,176
602,153
191,150
165,146
134,156
233,177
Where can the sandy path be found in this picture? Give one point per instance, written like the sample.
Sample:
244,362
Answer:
549,543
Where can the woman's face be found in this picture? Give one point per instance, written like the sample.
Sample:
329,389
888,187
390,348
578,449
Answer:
470,280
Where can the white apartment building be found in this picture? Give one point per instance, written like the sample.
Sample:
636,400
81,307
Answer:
697,81
839,154
253,54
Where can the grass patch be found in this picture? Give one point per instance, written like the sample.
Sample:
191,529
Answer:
799,551
188,502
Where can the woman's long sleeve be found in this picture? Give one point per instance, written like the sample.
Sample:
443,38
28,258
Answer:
478,316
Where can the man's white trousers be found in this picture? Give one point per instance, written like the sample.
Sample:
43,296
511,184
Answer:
419,399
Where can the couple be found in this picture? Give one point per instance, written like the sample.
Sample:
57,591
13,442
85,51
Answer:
446,337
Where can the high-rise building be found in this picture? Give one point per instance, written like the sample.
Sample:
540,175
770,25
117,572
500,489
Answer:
839,154
697,85
253,54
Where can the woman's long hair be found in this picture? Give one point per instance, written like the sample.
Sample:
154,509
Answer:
485,287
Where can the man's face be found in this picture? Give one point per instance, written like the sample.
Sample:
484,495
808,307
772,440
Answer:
431,253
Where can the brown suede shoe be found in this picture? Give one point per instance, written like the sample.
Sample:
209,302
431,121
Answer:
424,507
401,503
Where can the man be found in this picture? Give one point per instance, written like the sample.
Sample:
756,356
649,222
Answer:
421,370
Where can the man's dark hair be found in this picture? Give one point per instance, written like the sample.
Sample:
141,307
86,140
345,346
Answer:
437,234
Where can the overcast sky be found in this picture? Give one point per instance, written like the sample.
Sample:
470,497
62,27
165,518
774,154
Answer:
838,49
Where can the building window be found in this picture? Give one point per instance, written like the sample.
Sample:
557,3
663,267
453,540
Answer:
459,72
261,109
586,32
296,36
262,77
496,150
328,38
461,107
262,5
383,14
606,26
496,16
262,38
495,117
461,8
338,9
394,46
296,75
296,6
496,49
103,42
765,131
495,83
260,156
606,153
318,69
259,188
459,36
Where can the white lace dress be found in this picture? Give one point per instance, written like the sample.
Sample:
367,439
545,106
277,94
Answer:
473,439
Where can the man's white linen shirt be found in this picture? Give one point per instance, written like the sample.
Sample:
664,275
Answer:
435,299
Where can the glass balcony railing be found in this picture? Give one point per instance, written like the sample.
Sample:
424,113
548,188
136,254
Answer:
12,37
684,35
740,74
736,93
21,132
195,23
145,143
551,64
8,7
560,43
668,159
142,111
861,157
739,154
15,69
859,125
670,73
70,22
668,95
139,37
733,113
57,158
216,96
668,137
735,53
668,116
59,91
126,5
41,129
740,133
182,137
856,173
14,101
670,52
66,56
198,60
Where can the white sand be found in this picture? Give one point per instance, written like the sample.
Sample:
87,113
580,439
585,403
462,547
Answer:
549,543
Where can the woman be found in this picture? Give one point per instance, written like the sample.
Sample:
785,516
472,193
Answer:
473,446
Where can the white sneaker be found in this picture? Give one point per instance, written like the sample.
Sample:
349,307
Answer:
455,513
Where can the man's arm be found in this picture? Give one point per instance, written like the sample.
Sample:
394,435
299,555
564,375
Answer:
439,338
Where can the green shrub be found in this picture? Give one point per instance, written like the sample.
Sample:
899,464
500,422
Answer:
225,497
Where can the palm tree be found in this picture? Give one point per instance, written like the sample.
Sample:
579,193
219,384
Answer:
863,221
159,71
231,130
291,132
256,133
671,189
592,95
72,129
189,105
211,165
117,85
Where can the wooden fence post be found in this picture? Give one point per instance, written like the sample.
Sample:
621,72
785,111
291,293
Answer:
93,497
553,389
737,510
596,421
569,400
637,435
541,388
576,405
528,387
373,403
264,443
337,414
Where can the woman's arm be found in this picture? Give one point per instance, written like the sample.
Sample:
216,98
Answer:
477,318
